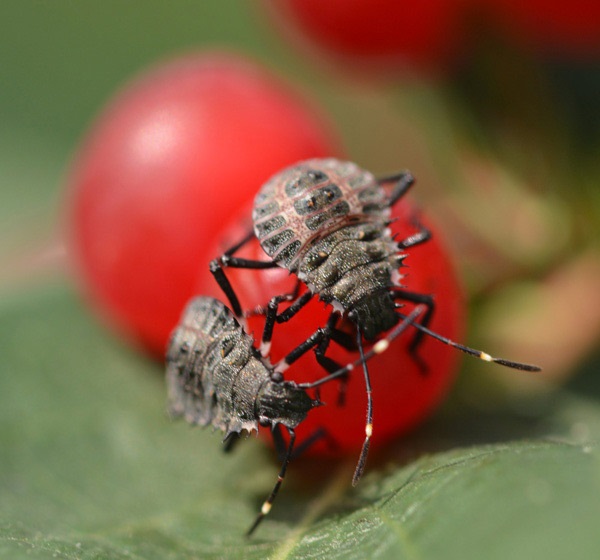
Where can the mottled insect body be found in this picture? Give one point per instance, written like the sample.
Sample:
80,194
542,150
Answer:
327,221
308,201
216,377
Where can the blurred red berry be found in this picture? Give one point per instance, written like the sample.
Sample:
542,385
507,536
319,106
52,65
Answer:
379,35
554,27
403,395
163,167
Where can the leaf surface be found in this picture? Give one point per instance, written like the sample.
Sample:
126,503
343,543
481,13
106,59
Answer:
92,467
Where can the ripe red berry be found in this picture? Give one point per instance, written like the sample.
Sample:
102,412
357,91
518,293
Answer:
403,396
377,34
554,27
165,164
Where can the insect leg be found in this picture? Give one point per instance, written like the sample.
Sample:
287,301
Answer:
428,301
316,436
218,265
378,348
302,348
321,336
421,236
272,316
327,363
404,181
266,507
230,442
472,351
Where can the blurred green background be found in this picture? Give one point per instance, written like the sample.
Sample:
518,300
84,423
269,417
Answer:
507,153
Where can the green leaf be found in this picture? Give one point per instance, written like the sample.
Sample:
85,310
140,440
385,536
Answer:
91,467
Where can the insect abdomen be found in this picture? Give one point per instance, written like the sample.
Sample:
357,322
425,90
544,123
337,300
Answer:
309,200
213,375
354,269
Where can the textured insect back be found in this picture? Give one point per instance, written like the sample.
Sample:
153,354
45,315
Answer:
328,221
209,353
307,201
215,376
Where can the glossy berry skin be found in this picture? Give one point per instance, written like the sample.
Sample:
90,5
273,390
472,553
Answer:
380,35
403,396
164,165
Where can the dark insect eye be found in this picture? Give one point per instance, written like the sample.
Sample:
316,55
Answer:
277,377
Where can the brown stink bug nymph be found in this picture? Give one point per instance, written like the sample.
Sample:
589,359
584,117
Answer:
215,376
328,222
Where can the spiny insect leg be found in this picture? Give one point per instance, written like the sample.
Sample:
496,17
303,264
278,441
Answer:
266,507
404,181
271,316
218,265
474,352
261,310
428,301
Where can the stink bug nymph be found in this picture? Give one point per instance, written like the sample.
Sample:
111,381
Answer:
216,376
328,222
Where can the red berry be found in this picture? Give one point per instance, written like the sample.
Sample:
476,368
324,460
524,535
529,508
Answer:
403,396
550,26
166,163
379,34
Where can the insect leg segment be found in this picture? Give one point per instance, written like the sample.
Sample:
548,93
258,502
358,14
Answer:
428,301
472,351
313,340
272,316
218,265
266,507
230,442
404,181
421,236
327,363
378,348
316,436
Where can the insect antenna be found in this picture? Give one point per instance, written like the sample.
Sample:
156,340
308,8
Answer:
471,351
362,459
379,347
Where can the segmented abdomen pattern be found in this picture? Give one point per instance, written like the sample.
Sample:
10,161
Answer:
213,370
